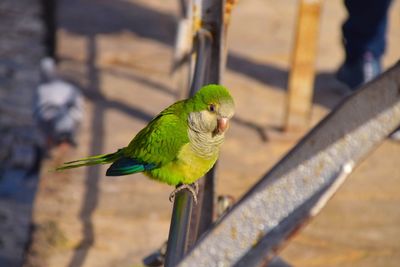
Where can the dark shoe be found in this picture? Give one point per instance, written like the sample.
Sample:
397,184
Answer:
360,72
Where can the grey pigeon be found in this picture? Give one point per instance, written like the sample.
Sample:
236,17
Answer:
58,107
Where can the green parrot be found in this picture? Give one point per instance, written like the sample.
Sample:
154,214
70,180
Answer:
178,146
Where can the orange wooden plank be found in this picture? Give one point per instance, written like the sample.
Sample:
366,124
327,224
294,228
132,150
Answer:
301,78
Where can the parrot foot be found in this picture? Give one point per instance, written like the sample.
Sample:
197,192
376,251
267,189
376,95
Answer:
192,188
195,186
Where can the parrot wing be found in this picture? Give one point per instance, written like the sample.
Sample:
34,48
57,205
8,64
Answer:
155,145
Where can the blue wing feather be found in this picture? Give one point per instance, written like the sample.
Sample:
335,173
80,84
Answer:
125,166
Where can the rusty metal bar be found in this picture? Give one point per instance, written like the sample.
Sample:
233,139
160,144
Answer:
301,183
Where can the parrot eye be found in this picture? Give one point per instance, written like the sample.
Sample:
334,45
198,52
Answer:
212,108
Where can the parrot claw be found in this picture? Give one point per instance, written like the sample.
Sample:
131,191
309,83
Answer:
192,188
195,186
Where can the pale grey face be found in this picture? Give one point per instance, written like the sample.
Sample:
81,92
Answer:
214,120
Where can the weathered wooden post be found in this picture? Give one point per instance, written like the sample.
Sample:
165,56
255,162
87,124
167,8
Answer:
302,73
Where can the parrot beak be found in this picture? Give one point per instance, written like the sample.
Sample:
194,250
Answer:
222,125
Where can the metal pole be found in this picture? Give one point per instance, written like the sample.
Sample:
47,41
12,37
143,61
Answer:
212,36
183,230
177,245
188,222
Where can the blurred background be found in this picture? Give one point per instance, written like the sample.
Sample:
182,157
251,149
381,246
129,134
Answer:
112,61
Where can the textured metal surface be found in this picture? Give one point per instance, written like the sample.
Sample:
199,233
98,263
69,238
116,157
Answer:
325,155
262,252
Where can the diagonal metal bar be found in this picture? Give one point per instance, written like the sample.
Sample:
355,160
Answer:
299,185
263,252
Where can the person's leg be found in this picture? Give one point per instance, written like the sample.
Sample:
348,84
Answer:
365,28
364,40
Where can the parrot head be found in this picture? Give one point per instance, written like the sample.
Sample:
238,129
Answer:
213,108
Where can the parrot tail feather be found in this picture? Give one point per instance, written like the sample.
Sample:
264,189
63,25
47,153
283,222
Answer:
93,160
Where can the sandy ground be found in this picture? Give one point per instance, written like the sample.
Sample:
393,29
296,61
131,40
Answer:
120,53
